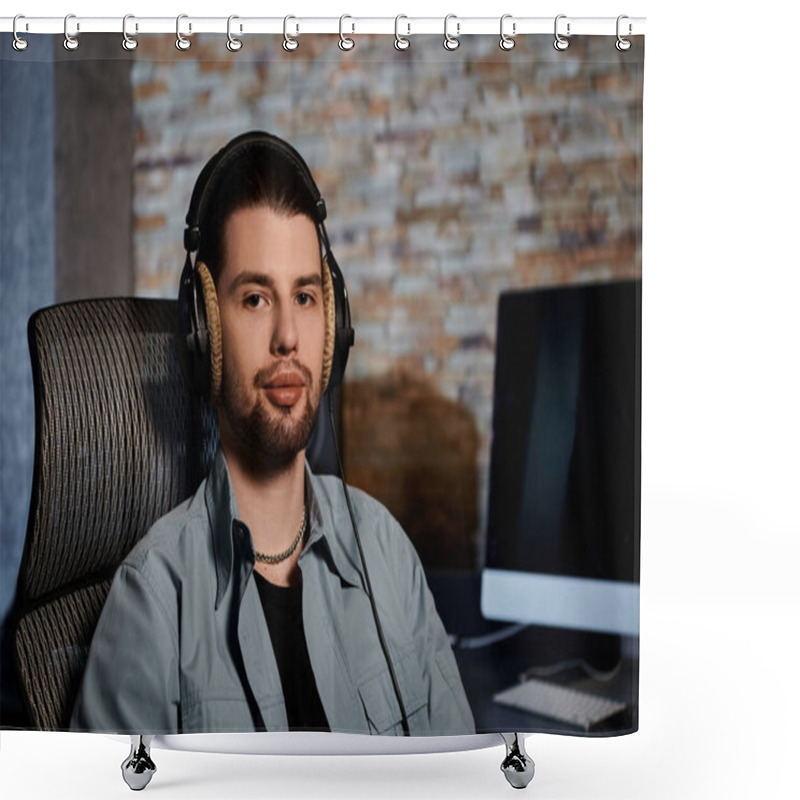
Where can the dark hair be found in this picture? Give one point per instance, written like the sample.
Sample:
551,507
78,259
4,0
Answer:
257,176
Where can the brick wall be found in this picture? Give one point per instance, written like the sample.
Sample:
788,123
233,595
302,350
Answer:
449,177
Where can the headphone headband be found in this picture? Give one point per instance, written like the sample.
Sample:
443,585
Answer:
203,188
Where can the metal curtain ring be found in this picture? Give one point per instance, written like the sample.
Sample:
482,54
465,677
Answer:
19,43
507,42
345,43
623,44
400,42
451,42
70,42
233,44
128,42
181,42
289,44
560,42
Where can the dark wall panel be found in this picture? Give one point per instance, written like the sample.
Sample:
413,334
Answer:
65,233
94,143
27,278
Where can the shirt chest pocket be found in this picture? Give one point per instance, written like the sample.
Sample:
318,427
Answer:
380,702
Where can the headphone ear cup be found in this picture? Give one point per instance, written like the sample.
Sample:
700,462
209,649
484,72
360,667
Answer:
342,331
214,354
329,302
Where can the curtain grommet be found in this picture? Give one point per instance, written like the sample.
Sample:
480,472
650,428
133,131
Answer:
128,42
181,42
561,43
70,42
19,44
401,42
290,43
233,44
623,44
451,42
507,41
345,42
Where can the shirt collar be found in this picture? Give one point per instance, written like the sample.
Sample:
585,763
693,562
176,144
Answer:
336,543
223,515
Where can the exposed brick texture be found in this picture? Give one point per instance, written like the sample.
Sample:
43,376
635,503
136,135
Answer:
449,177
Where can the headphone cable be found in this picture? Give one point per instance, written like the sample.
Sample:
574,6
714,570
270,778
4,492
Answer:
385,649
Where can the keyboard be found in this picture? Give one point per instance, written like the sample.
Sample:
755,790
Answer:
561,703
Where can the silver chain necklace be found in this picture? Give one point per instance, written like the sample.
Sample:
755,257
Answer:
276,559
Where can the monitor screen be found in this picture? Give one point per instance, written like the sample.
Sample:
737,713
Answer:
564,485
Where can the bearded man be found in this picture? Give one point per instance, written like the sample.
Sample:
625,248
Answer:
249,607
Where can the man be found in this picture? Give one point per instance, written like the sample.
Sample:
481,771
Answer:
248,607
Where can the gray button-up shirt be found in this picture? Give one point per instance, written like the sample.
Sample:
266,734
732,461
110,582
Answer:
182,645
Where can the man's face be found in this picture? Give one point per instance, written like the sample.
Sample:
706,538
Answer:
273,330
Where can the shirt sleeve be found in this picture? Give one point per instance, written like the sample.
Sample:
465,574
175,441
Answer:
448,708
131,682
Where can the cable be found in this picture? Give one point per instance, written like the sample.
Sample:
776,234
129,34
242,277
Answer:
580,663
385,649
477,642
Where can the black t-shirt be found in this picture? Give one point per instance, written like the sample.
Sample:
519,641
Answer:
283,609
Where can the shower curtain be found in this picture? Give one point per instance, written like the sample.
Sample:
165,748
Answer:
484,205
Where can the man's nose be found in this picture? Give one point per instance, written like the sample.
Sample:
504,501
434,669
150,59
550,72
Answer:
284,334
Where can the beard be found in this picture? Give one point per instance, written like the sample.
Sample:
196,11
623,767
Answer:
268,437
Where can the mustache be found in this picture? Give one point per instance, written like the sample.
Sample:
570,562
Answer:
265,376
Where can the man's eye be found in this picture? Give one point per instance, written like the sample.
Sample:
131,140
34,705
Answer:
304,298
253,300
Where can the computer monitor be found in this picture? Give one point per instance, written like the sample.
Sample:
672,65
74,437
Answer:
564,486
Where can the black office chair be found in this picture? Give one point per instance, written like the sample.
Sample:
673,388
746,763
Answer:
119,442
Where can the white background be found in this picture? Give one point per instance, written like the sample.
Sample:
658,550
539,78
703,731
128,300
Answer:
719,699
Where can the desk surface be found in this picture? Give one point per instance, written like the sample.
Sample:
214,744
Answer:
490,669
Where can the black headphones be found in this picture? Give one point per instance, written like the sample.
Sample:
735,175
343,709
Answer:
198,311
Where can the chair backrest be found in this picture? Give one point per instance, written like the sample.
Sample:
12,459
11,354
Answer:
119,442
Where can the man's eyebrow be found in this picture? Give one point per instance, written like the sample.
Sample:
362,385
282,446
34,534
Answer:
313,279
261,279
258,278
